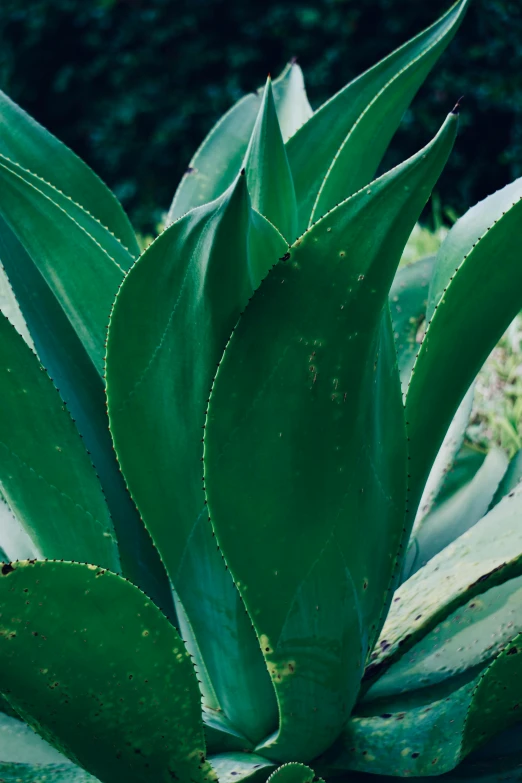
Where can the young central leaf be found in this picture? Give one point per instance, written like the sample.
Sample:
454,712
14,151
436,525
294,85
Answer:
268,173
305,451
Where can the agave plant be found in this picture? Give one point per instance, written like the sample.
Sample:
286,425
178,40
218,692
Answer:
233,545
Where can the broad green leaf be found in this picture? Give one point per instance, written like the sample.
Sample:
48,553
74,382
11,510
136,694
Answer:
480,254
219,159
36,254
268,174
45,473
293,773
458,647
93,665
88,223
24,141
460,512
305,432
344,141
171,321
80,274
497,760
408,300
486,555
432,737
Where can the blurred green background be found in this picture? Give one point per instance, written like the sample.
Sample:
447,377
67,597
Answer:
134,85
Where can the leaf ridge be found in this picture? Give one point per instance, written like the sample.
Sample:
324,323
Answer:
369,106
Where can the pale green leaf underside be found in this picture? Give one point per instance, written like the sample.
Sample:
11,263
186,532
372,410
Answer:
487,554
458,337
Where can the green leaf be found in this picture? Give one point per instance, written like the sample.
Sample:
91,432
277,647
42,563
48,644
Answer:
293,107
339,149
480,254
456,649
45,473
112,246
293,772
93,665
53,293
268,174
408,300
233,767
220,735
305,413
170,324
460,512
27,758
434,736
486,555
498,759
24,141
219,159
84,289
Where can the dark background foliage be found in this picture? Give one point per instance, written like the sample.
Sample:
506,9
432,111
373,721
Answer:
134,85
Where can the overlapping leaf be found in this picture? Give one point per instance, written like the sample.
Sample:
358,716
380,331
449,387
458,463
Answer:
434,736
458,337
293,773
304,422
57,260
339,149
219,159
45,473
458,513
89,661
191,285
24,141
408,300
268,174
487,554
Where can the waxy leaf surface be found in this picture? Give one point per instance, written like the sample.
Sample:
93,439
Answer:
219,159
45,473
26,142
481,254
268,174
343,142
92,664
304,438
171,321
